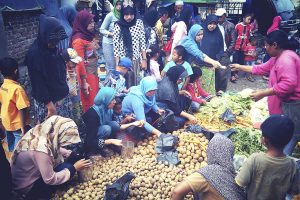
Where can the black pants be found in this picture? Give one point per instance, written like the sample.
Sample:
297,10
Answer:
238,57
41,190
221,79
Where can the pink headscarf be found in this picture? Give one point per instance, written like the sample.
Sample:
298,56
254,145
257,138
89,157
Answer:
275,25
80,25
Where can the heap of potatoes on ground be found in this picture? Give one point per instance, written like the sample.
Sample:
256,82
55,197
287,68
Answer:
154,180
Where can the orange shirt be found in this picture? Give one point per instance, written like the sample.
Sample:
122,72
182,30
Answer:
12,98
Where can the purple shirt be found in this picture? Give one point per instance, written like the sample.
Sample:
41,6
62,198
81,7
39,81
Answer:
284,78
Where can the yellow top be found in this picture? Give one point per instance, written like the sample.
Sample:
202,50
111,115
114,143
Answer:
12,98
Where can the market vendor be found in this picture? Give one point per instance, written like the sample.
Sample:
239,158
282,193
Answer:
169,97
37,164
216,180
141,102
284,86
100,128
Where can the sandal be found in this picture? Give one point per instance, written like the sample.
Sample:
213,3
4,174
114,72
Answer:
250,78
233,79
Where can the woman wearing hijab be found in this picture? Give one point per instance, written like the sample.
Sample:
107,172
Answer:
82,42
275,25
212,45
168,95
150,19
47,71
37,164
141,102
191,43
100,127
106,30
129,40
216,180
66,16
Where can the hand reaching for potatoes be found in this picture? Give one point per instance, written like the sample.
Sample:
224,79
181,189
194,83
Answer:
82,164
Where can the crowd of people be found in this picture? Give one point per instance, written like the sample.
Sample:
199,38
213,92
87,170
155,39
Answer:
142,77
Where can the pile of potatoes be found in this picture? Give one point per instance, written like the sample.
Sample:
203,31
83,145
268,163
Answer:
154,180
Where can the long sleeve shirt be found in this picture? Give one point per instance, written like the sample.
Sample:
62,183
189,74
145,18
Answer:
31,165
196,91
133,104
108,27
284,78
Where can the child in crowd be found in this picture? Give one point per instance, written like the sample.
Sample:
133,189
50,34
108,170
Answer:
243,33
178,58
199,96
250,56
14,103
153,65
271,175
116,78
118,115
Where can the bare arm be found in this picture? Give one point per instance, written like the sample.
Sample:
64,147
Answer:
238,67
186,82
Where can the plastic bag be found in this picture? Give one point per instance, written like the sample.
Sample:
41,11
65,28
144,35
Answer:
198,129
166,143
171,157
167,122
119,190
228,132
228,116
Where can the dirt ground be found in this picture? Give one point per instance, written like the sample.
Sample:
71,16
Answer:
243,83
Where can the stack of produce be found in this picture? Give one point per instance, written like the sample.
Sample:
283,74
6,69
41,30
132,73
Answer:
154,180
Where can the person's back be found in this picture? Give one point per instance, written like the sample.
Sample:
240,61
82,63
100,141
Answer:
271,175
268,177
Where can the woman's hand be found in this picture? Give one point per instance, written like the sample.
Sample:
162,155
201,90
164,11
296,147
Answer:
114,142
138,123
185,93
235,67
86,88
82,164
257,95
129,118
144,64
160,111
51,109
216,64
193,119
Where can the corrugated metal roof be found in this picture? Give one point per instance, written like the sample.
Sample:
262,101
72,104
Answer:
17,5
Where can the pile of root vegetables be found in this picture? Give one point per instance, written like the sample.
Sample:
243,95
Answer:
154,180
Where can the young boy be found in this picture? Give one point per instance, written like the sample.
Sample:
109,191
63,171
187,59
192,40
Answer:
250,56
243,33
178,58
14,103
271,175
115,78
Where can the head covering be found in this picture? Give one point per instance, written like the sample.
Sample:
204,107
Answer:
66,16
212,41
190,39
220,12
101,102
278,129
71,55
220,171
185,16
116,12
125,62
81,22
275,25
48,137
124,26
151,17
179,3
147,84
175,73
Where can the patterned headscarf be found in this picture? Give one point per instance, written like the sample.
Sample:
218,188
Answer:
48,137
220,171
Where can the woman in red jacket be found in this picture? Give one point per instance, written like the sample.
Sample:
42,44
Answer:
82,42
199,96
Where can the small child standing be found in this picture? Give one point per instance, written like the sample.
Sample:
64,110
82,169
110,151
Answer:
178,58
271,175
14,103
153,66
250,56
199,96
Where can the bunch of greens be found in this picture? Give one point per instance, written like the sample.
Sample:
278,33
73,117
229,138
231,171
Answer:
247,141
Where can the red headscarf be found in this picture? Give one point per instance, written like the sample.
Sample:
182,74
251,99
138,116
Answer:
81,22
275,24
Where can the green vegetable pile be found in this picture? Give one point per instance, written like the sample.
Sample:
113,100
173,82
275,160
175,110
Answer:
247,141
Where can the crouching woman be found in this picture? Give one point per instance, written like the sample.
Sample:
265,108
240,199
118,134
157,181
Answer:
37,164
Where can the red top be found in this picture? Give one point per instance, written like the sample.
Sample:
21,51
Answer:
243,34
250,53
196,91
